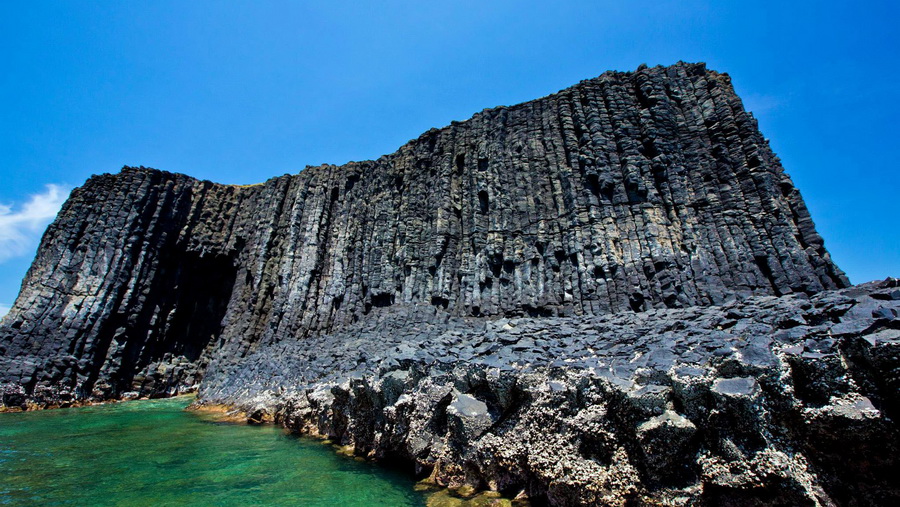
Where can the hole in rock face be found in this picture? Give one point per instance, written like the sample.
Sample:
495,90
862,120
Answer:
483,202
671,301
560,256
382,300
495,263
603,190
762,262
351,181
648,149
593,184
636,301
585,103
460,164
537,311
786,189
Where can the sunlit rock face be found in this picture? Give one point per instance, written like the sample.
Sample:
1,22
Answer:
547,238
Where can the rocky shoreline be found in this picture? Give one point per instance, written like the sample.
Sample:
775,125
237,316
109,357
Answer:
789,400
765,401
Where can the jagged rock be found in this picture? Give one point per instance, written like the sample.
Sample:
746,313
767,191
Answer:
611,295
668,444
468,416
814,429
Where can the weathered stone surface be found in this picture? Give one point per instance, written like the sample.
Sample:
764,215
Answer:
610,294
588,419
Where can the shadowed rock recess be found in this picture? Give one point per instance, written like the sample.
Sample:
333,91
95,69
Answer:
612,295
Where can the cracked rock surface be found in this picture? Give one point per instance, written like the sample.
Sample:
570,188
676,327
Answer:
610,294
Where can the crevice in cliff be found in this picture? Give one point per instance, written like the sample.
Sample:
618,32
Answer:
762,263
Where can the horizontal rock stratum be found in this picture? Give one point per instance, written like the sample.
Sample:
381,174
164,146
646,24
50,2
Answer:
612,294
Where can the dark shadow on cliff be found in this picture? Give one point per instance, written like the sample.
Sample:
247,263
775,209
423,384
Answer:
181,314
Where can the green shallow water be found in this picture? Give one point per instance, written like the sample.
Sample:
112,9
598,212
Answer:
155,453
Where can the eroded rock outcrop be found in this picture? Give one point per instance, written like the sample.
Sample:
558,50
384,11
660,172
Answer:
764,401
608,294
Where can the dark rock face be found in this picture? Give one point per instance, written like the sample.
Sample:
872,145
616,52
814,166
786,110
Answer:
631,191
615,273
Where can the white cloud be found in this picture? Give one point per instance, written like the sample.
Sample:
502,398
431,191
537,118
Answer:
4,309
21,229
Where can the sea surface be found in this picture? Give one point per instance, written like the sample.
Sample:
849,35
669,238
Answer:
154,452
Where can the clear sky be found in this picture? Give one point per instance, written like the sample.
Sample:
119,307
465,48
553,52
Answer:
237,92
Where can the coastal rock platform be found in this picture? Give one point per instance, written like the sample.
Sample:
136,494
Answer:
764,401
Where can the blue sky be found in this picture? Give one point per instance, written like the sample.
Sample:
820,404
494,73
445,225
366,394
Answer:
240,93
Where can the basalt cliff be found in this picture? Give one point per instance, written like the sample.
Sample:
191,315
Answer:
612,295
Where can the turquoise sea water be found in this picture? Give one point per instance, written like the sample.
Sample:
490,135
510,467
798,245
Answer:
155,453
